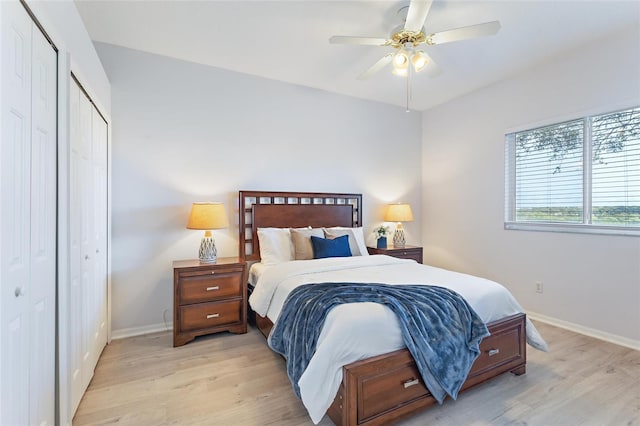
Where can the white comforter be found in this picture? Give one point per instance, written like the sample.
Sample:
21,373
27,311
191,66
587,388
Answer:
373,329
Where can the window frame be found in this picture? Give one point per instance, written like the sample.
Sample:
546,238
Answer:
586,227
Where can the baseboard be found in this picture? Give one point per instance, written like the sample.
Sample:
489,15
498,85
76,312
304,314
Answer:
587,331
139,331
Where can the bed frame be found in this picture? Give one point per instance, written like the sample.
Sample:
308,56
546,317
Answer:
384,388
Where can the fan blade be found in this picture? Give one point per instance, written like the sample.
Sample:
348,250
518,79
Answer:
464,33
377,66
370,41
417,14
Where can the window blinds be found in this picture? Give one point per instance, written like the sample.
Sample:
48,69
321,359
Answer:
584,171
615,175
549,173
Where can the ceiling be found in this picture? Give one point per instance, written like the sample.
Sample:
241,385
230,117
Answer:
288,40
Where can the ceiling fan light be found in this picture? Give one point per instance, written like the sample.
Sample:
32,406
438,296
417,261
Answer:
401,60
419,60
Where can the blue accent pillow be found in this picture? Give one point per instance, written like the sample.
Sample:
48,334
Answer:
324,247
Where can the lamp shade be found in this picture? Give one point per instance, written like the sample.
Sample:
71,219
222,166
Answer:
401,62
419,60
398,213
207,216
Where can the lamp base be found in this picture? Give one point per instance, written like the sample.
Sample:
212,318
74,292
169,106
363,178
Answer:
399,239
208,252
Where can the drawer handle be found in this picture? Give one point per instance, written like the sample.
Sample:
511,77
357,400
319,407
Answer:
493,352
213,272
213,316
410,383
213,288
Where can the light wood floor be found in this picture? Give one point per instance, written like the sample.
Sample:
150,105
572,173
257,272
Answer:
229,379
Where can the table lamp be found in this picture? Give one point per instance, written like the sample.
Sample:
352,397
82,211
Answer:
207,216
398,213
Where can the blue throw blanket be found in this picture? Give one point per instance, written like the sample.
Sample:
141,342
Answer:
440,329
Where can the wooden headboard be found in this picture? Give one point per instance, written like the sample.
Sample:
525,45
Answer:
264,209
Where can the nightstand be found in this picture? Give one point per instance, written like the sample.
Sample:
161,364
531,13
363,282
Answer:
407,252
208,298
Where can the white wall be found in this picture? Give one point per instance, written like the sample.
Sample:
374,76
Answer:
185,132
592,281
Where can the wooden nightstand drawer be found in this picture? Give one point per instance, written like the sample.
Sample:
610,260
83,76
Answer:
406,252
208,269
207,287
206,315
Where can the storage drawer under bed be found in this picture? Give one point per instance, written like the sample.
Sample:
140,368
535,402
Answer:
501,347
395,386
392,382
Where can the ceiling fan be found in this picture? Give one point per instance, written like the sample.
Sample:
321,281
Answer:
406,39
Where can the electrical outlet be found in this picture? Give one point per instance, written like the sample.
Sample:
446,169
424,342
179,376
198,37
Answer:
538,286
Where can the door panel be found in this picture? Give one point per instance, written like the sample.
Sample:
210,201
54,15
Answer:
99,156
15,123
75,254
43,230
86,239
88,234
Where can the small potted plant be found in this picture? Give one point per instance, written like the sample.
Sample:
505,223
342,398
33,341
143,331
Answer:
381,233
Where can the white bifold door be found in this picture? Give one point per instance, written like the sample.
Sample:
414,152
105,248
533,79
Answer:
88,240
28,194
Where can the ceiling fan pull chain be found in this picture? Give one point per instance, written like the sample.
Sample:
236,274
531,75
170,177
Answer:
408,87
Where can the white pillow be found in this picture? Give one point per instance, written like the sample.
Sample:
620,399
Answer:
275,245
356,238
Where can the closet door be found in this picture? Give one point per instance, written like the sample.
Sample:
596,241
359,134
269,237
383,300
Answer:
99,207
28,221
88,236
81,254
75,251
15,232
42,297
87,257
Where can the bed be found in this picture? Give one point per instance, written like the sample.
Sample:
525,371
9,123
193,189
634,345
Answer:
380,383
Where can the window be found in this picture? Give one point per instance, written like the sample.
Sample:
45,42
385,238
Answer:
581,175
